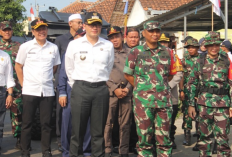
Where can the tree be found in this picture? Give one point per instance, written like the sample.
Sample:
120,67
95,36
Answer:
13,10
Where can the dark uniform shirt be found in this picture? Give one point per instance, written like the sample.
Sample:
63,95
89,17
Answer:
12,47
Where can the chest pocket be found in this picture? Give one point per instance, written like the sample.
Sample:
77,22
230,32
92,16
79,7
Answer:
144,63
164,60
31,56
48,57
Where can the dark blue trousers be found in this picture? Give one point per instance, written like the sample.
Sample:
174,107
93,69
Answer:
66,132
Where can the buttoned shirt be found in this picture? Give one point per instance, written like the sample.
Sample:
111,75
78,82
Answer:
6,70
87,62
38,62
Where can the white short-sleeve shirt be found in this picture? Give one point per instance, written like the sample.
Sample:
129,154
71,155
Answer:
38,62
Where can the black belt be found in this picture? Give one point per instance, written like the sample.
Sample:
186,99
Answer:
92,84
213,90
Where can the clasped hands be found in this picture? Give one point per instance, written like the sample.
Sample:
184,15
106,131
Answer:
121,93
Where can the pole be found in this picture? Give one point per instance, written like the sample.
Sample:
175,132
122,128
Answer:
185,26
226,19
212,17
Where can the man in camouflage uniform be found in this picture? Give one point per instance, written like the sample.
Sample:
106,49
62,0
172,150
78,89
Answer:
11,47
189,60
147,68
214,104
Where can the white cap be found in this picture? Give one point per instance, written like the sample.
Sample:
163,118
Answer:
74,16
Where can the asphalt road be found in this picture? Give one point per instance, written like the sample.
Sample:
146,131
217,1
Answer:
9,143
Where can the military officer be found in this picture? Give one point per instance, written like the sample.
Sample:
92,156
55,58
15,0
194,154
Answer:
12,47
165,41
120,95
147,68
214,104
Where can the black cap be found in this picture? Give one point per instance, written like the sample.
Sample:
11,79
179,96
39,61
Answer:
92,17
227,44
113,30
80,31
38,22
186,38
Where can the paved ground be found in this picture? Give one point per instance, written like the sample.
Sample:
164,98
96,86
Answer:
9,142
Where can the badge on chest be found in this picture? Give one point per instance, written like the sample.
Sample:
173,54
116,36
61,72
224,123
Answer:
83,55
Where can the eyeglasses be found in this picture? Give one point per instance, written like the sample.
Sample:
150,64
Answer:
78,22
98,25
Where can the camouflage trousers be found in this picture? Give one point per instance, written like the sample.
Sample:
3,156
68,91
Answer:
216,120
16,115
187,121
149,122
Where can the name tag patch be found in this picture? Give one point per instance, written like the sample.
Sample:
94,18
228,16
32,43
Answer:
83,55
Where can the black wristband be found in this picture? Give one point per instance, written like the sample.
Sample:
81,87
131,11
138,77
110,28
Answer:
11,94
181,90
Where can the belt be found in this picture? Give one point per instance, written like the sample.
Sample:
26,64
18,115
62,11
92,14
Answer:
92,84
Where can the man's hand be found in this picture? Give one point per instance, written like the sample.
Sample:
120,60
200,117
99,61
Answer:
63,101
119,93
182,96
125,91
230,112
9,101
191,112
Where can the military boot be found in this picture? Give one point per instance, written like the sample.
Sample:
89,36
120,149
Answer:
184,142
188,138
214,151
195,148
18,145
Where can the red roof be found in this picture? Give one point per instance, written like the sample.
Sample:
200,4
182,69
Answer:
76,7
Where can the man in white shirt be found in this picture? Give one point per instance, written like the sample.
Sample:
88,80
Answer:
36,62
88,64
6,79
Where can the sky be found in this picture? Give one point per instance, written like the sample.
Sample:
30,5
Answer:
59,4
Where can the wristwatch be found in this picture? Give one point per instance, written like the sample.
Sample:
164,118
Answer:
11,94
181,90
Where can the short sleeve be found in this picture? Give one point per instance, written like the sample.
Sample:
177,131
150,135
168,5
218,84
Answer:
130,63
22,54
57,56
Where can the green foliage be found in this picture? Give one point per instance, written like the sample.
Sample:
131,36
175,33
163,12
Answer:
13,10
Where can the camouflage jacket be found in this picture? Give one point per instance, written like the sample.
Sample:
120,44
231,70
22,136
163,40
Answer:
12,48
150,69
215,74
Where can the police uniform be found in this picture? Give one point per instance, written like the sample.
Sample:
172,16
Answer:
152,105
213,100
12,47
115,81
88,68
38,63
6,80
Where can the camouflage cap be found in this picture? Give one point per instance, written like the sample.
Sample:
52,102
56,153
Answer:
5,24
150,25
191,42
212,38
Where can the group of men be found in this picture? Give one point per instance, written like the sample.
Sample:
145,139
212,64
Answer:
102,80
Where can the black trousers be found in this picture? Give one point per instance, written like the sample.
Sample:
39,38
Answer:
59,110
93,102
173,127
30,104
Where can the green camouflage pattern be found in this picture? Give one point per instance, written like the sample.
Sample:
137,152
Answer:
215,74
146,129
12,47
187,62
150,69
150,25
5,24
216,120
191,42
212,38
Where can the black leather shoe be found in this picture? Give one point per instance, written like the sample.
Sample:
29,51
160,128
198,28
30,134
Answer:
173,144
124,155
195,148
47,154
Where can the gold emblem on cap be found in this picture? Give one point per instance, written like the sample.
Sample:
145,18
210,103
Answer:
82,57
94,14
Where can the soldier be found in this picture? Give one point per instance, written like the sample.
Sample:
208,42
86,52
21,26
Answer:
12,47
120,95
147,68
165,41
214,104
188,62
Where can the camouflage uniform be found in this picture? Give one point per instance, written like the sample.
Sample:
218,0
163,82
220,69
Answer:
11,47
152,105
213,104
188,62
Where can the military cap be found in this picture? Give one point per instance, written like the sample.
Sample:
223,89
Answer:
150,25
38,22
5,24
80,31
113,30
212,38
186,38
192,42
92,17
164,37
